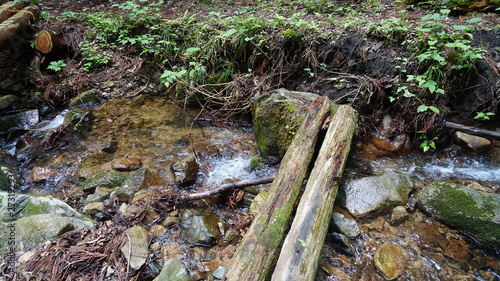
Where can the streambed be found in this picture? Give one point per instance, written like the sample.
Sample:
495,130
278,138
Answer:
159,132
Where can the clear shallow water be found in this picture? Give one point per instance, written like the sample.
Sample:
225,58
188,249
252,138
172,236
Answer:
484,169
238,168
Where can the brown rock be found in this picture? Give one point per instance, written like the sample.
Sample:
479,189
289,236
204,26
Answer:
457,250
391,260
126,164
40,174
472,142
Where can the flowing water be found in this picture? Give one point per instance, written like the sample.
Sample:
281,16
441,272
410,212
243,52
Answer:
159,133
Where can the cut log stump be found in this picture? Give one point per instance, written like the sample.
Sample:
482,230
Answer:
255,253
301,251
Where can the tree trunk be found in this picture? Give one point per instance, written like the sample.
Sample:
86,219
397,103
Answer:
18,23
301,250
473,131
255,254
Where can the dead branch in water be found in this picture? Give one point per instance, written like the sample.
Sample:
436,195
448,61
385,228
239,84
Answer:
227,187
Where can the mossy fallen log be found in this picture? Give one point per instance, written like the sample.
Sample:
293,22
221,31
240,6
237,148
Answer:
255,254
302,247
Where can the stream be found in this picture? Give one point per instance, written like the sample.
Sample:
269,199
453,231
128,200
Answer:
159,132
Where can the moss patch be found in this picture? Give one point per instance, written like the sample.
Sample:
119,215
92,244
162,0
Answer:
473,212
276,117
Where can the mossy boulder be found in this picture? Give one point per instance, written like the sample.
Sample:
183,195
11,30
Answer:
35,219
107,180
473,212
276,117
89,96
14,206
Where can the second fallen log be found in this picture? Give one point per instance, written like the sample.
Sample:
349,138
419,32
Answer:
301,251
255,254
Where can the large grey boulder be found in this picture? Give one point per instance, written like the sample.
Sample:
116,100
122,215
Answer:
15,206
375,194
473,212
36,229
276,117
31,220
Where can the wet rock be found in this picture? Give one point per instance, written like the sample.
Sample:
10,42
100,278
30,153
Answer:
75,116
108,180
139,179
7,101
472,142
136,247
390,145
111,147
18,121
169,221
390,260
185,170
276,117
157,230
93,208
341,242
199,226
429,234
257,202
230,235
473,212
173,270
9,179
399,214
89,96
100,194
375,194
93,164
126,164
348,227
40,174
219,272
458,251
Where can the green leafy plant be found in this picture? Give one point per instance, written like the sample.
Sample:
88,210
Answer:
483,116
94,57
57,65
426,144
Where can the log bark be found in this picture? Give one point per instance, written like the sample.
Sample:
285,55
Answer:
7,8
473,131
227,187
255,254
19,21
301,251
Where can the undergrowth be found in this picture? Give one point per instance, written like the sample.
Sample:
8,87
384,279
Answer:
222,59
